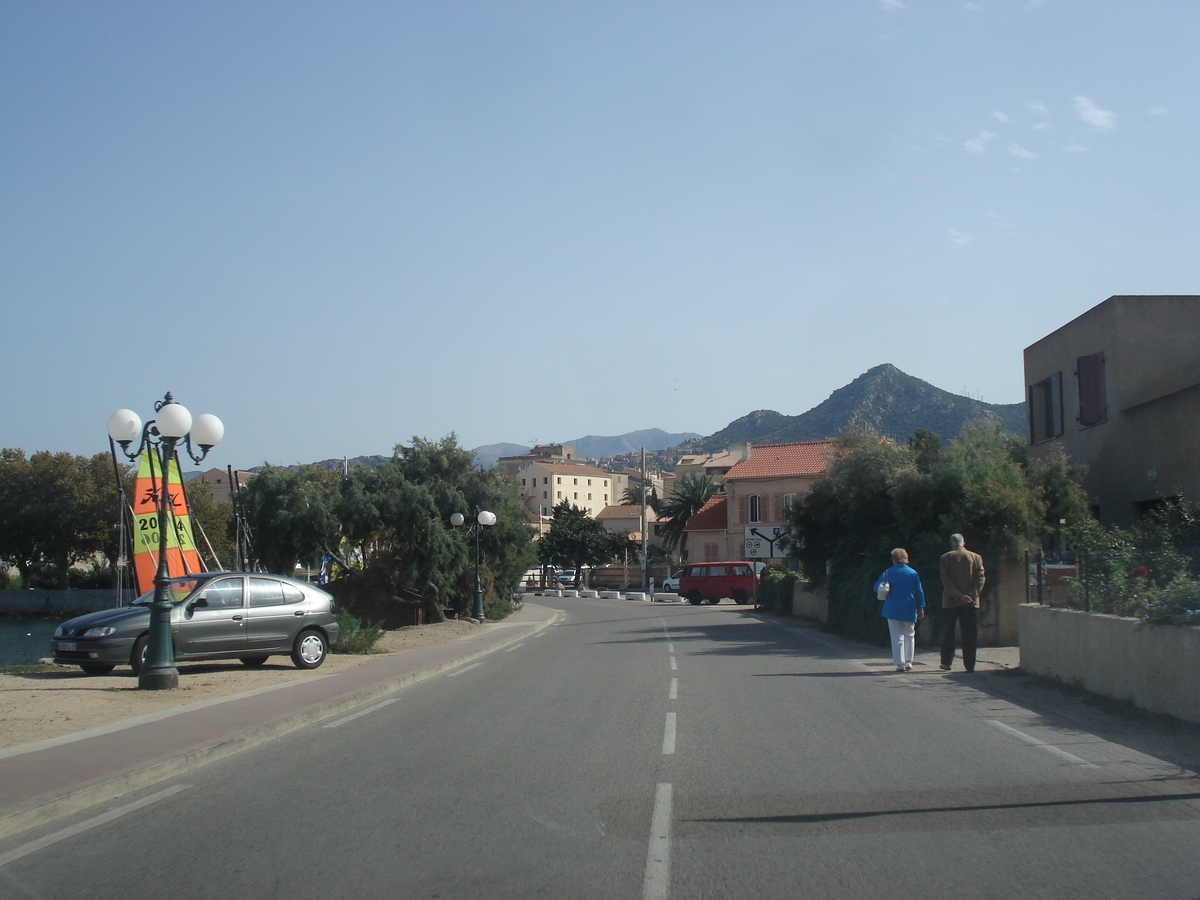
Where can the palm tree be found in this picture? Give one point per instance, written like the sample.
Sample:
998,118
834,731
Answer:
692,491
633,497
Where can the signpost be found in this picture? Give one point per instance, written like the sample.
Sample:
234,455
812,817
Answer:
761,540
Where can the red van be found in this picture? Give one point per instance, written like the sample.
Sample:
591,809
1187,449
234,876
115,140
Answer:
713,580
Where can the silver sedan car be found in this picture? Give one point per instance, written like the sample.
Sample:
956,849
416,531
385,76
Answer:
216,615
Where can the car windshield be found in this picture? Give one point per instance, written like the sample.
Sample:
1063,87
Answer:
179,589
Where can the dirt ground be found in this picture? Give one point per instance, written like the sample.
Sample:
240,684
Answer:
40,705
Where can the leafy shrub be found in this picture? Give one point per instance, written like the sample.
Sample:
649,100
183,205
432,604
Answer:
354,636
776,589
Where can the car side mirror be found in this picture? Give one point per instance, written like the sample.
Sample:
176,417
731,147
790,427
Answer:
198,603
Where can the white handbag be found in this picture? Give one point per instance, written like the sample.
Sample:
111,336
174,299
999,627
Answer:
882,593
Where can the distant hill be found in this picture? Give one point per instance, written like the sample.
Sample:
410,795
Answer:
595,447
884,398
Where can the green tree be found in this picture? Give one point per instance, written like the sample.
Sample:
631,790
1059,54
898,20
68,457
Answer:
576,539
878,495
690,494
289,516
632,496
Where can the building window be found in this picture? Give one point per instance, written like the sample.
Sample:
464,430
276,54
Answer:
606,482
589,482
522,482
1045,409
589,496
576,480
1093,399
575,496
558,479
544,495
606,499
789,500
558,494
754,507
545,479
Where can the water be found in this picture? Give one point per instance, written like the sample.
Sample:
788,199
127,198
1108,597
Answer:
26,640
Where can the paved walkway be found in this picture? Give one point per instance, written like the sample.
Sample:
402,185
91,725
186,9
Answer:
44,780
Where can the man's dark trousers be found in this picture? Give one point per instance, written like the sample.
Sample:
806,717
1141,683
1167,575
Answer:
968,623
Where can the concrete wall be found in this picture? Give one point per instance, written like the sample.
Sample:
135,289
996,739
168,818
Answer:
1149,445
50,604
812,605
1156,667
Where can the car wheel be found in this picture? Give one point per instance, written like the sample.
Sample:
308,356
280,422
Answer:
252,661
715,600
97,668
138,657
739,597
695,599
309,650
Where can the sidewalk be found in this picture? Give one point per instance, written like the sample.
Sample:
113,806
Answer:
45,780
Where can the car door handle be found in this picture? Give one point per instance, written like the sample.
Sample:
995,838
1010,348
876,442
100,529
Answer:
237,618
298,613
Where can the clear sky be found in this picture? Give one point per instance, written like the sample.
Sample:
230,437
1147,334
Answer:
337,225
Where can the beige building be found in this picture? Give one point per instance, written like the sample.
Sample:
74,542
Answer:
1118,388
714,465
222,491
512,465
547,483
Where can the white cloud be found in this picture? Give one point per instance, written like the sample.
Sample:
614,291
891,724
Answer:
891,4
1076,148
978,144
1158,111
1018,150
1002,118
1037,108
1098,118
1042,126
958,238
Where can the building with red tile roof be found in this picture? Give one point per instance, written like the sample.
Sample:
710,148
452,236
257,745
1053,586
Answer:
752,515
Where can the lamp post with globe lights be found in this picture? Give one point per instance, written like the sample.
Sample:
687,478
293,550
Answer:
484,519
160,436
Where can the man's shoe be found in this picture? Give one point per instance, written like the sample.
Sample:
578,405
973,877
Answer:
944,668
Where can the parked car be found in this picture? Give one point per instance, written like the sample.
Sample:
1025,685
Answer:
216,615
714,580
671,582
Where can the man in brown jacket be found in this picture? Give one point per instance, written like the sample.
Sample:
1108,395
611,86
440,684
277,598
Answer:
962,582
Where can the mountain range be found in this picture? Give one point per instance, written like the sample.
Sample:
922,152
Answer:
883,398
891,402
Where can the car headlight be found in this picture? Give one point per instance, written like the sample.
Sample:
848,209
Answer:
105,631
59,632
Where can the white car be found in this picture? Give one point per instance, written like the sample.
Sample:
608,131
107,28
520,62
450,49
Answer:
672,583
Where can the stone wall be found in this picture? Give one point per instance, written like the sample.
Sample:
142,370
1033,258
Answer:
1156,667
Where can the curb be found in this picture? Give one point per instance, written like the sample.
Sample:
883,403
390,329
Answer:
49,807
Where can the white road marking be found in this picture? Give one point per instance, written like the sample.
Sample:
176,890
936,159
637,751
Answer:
464,669
1034,742
44,842
674,665
361,712
514,647
674,693
670,647
669,735
657,882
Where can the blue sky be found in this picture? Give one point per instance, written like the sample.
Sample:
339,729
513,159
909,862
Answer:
340,225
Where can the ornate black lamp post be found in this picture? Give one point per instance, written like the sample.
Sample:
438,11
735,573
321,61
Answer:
484,519
160,436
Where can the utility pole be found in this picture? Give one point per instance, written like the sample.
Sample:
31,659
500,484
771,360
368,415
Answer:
645,570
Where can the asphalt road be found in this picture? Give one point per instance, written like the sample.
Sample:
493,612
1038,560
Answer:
650,751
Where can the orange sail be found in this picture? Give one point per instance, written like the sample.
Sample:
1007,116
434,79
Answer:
182,556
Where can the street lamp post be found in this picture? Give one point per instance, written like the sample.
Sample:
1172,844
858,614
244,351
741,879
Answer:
484,519
160,436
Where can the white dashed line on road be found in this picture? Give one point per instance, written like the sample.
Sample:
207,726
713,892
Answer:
464,669
657,883
668,746
361,712
673,694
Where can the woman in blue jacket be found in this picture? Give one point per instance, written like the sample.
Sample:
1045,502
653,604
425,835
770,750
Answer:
905,604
